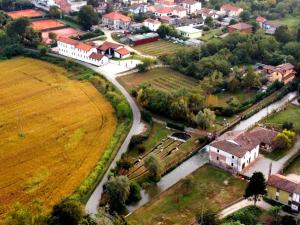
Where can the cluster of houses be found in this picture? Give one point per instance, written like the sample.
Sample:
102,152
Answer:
95,55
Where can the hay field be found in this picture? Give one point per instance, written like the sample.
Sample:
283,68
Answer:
52,132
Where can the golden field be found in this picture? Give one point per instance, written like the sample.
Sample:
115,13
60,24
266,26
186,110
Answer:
53,130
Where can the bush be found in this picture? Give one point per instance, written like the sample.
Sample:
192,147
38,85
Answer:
141,149
134,193
137,139
146,115
89,35
288,126
177,126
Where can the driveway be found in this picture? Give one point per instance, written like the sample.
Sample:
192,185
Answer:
262,164
114,67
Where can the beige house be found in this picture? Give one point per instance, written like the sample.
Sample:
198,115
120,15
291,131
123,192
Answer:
283,72
116,20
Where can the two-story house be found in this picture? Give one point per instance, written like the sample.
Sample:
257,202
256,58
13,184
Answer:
283,72
116,20
152,24
230,10
80,51
191,6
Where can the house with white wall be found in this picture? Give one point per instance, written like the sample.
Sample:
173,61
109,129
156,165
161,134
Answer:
151,24
116,20
80,51
191,6
237,150
230,10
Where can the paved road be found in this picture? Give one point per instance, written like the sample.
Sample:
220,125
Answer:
262,164
242,204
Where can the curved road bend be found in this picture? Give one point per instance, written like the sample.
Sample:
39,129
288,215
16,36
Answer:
137,127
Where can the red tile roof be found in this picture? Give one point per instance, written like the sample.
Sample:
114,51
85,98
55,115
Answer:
282,183
117,16
230,7
260,19
96,56
84,47
30,13
164,10
77,44
123,51
106,45
152,21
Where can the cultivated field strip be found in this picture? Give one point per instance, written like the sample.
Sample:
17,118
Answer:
52,132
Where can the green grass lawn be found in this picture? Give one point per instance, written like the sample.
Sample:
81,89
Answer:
159,48
212,188
208,35
164,79
294,167
291,113
71,24
276,154
290,21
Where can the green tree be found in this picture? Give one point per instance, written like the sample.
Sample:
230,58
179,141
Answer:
208,217
134,193
153,165
205,118
67,212
284,140
87,17
55,12
118,190
209,21
282,34
52,36
251,79
274,212
256,188
87,220
187,184
245,16
4,19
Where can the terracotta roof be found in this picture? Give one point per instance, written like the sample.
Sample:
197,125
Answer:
285,66
263,135
240,26
189,2
77,44
230,7
117,16
106,45
68,41
96,56
164,10
152,21
260,19
165,18
283,183
122,51
84,47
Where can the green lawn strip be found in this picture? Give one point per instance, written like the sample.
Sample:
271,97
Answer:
212,188
294,167
249,210
241,96
290,21
291,113
158,48
276,154
71,24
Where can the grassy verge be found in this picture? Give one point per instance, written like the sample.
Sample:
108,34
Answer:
212,188
71,23
79,72
294,166
291,113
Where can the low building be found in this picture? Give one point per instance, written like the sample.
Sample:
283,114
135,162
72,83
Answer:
191,6
206,12
80,51
240,27
110,50
270,27
189,32
179,11
151,24
237,150
283,72
284,190
166,11
230,10
134,2
116,20
143,38
138,8
191,22
260,21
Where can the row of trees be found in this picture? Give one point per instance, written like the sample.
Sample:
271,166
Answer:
237,49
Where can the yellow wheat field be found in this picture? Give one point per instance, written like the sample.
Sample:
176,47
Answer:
53,130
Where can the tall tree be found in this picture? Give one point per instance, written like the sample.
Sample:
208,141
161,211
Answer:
4,19
282,34
87,17
55,12
256,188
118,190
154,166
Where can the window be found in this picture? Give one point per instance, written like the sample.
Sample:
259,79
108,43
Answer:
217,158
232,156
231,164
277,198
218,150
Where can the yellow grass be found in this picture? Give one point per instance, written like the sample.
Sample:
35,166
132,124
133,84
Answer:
52,132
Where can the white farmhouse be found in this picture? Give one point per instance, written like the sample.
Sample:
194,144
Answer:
80,51
191,6
151,24
237,150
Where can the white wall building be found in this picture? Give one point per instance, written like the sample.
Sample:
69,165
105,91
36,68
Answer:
189,32
151,24
80,51
191,6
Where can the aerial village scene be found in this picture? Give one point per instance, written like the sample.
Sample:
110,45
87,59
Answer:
149,112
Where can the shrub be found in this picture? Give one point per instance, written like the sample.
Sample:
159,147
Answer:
146,115
137,139
134,193
177,126
141,149
287,126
